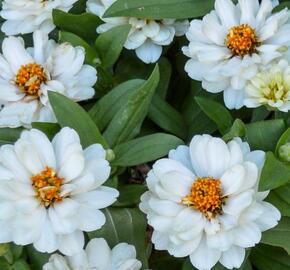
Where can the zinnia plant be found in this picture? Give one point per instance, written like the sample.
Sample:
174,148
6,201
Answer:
144,134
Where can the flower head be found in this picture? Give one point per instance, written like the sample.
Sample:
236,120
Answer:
27,16
203,201
97,255
52,191
147,36
27,74
270,87
227,47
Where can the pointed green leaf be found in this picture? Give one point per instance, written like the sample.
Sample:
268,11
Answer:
216,112
105,108
109,45
83,25
238,129
160,9
50,129
145,149
127,121
9,135
274,174
70,114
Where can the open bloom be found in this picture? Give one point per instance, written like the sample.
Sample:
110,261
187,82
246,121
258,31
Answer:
27,75
270,87
26,16
146,37
97,255
203,202
229,44
50,192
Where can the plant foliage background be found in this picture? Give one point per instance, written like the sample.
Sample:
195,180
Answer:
141,112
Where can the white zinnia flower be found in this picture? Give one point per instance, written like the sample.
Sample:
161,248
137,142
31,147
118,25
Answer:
228,45
270,87
27,75
203,202
27,16
97,255
146,36
50,192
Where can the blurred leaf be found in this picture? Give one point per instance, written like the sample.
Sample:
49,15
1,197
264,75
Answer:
145,149
83,25
152,9
166,117
105,108
4,265
279,236
260,113
4,248
70,114
91,57
265,257
238,129
274,174
278,199
130,194
216,112
37,259
264,135
50,129
20,265
109,45
125,225
127,121
165,75
285,138
9,135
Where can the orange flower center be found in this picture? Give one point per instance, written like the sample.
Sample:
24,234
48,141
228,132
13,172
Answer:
242,40
205,196
47,186
29,79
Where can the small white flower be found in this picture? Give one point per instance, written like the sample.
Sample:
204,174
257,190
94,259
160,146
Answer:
203,202
229,44
270,87
146,36
50,192
27,75
97,255
27,16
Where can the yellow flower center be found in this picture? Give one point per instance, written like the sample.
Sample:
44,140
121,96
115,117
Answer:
29,79
47,186
242,40
276,91
205,196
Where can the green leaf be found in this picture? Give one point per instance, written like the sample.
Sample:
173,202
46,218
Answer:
152,9
105,109
4,248
91,57
109,45
274,174
280,201
285,138
125,225
216,112
166,117
4,265
9,135
238,129
145,149
130,194
266,257
259,114
70,114
83,25
37,259
20,265
50,129
264,135
165,75
279,236
127,121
